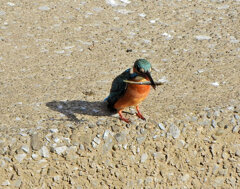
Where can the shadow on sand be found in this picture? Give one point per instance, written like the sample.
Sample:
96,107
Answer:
70,108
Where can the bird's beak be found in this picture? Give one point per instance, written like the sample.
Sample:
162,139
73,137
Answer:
148,74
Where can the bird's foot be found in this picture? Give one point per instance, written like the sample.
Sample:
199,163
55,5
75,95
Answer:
123,118
140,116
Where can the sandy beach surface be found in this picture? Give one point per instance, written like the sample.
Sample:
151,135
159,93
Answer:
57,62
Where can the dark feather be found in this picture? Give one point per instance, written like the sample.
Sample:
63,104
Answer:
119,88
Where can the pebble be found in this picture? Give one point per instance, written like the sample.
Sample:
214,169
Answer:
106,134
237,153
219,132
6,183
54,130
202,37
214,123
120,137
140,139
237,117
25,148
34,156
236,129
218,182
10,4
2,13
2,163
185,177
174,131
91,125
94,144
35,142
17,183
57,178
144,157
97,140
161,126
108,144
60,150
44,152
44,8
20,157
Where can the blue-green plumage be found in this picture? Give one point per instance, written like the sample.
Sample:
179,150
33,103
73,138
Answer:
122,96
119,87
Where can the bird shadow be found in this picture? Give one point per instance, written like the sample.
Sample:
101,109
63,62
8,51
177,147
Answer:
70,108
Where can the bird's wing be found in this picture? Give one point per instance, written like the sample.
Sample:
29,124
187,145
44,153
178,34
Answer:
118,87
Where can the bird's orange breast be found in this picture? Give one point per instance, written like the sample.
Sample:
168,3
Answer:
133,96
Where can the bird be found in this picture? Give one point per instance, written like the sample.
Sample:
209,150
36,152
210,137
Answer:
123,94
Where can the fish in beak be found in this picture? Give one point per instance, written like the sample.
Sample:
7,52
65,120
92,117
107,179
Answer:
148,74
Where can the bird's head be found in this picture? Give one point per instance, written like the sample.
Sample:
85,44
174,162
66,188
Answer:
143,68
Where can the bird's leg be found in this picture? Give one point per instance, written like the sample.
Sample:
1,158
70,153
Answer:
123,118
139,114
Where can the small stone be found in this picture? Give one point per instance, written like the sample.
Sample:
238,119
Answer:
44,8
219,132
133,149
57,178
35,142
57,140
125,146
216,84
20,157
17,183
94,144
100,122
91,125
215,169
34,156
218,182
161,126
148,180
141,139
144,157
236,129
10,4
44,152
237,117
18,119
54,130
60,150
181,143
202,37
216,113
2,163
108,145
185,177
115,128
120,137
174,131
237,153
106,134
97,140
25,148
214,123
6,183
138,150
81,147
2,13
214,137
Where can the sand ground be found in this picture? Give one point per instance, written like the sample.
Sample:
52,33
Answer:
57,62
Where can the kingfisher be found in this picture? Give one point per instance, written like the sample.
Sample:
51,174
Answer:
123,94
